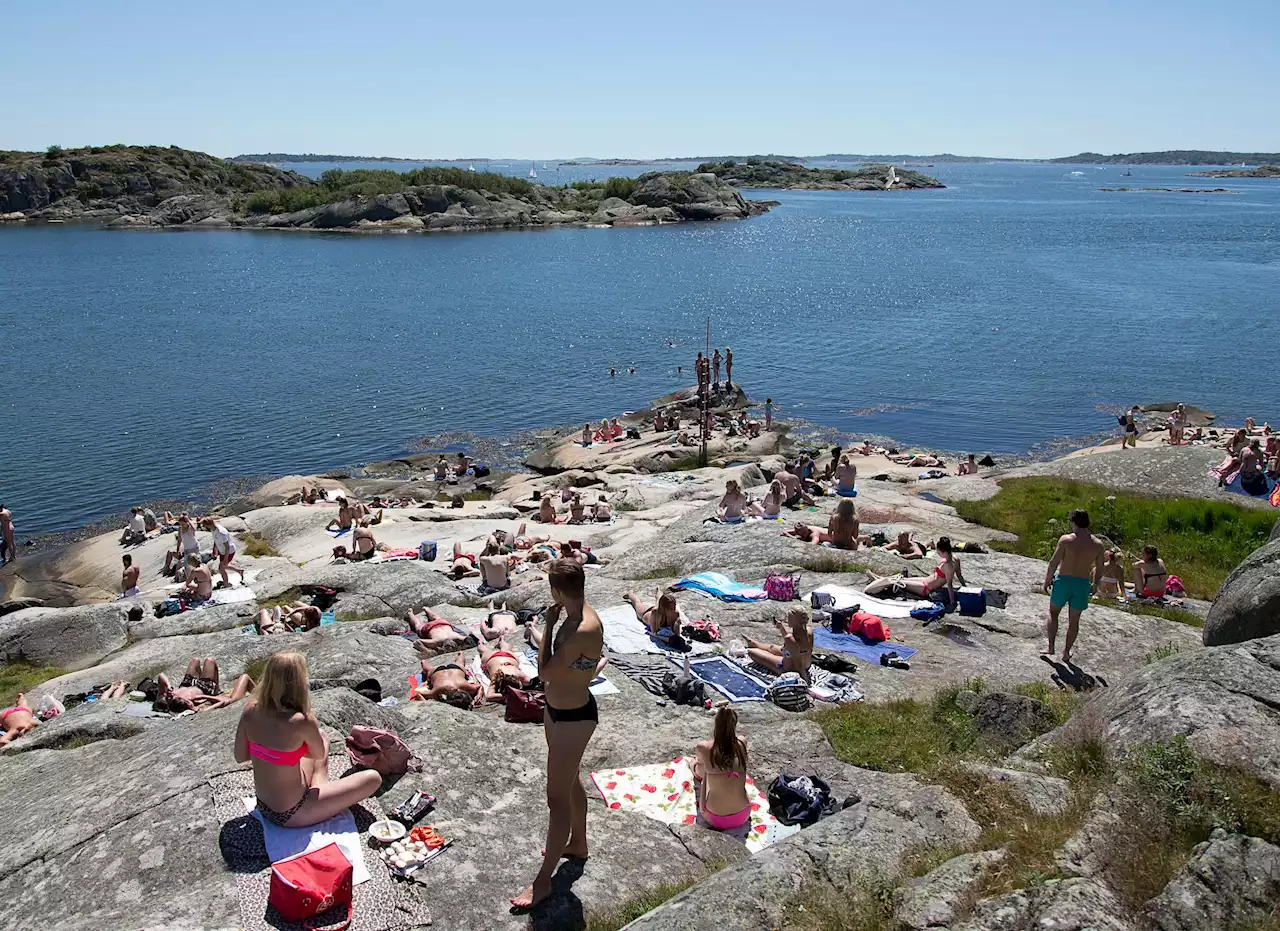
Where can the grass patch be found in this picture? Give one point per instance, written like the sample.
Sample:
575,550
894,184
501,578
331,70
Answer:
865,904
829,562
611,919
255,544
1169,614
255,669
1200,541
355,616
1169,801
23,677
1061,702
1164,651
285,598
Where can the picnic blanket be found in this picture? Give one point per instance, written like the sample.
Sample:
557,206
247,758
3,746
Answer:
624,633
380,904
843,597
726,677
648,672
665,792
858,645
283,843
718,585
821,687
1266,488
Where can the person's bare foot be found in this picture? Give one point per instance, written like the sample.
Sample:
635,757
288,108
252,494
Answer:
531,896
1048,652
1066,659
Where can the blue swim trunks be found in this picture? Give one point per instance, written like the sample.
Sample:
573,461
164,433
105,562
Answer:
1070,591
847,493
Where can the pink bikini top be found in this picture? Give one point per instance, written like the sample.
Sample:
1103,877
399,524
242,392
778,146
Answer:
277,757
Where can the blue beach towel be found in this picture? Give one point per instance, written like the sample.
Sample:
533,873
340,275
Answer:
328,617
718,585
858,645
726,676
1234,487
338,533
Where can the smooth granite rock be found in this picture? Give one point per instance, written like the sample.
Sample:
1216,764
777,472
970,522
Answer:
1230,881
934,900
1248,604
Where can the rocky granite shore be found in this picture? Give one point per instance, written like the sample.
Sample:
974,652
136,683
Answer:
155,187
770,173
115,822
1262,171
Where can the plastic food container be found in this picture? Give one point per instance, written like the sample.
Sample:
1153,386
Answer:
386,832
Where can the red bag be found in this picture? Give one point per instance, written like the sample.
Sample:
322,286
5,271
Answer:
871,627
782,587
525,707
310,884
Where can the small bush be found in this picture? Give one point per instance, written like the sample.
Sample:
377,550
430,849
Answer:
611,919
54,152
662,572
864,904
1164,651
825,561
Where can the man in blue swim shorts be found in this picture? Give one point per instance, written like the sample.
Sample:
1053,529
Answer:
1071,579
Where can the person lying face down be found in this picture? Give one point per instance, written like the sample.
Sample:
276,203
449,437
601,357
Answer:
796,651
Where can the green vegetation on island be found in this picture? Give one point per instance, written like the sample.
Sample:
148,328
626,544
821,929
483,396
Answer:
339,185
1205,540
1171,157
1262,171
774,173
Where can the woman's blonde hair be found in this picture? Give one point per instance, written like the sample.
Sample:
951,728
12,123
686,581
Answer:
285,688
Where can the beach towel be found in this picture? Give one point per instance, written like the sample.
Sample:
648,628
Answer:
283,843
665,792
1266,488
718,585
858,645
647,672
229,596
823,689
337,533
623,633
726,677
395,555
842,597
328,617
476,668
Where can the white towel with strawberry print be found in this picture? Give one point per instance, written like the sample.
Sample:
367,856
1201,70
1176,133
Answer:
665,792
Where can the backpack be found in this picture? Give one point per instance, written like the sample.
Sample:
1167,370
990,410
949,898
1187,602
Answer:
834,662
844,620
703,631
685,690
525,706
457,502
170,607
782,587
379,750
1123,418
819,600
481,471
311,884
1173,585
370,689
789,692
930,614
800,800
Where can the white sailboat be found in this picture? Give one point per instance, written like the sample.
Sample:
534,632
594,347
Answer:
472,169
532,172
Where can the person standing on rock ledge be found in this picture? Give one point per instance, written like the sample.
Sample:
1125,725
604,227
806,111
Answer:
1077,563
8,552
715,369
567,662
728,367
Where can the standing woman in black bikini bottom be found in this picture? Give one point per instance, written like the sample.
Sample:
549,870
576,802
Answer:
567,660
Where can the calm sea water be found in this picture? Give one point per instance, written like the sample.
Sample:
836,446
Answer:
995,315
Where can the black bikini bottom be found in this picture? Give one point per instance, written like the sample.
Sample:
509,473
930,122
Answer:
588,712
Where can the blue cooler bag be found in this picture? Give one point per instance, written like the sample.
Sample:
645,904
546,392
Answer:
972,601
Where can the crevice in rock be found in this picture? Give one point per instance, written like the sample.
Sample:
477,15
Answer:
685,844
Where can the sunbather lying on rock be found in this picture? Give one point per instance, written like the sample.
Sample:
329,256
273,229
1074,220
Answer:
905,547
917,461
947,575
662,618
503,669
720,770
448,683
498,624
17,721
290,754
574,551
842,529
435,633
464,565
285,619
200,688
796,651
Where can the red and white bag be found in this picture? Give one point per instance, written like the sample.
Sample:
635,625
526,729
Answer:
782,587
310,884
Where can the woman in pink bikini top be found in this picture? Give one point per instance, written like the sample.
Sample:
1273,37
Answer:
721,772
290,755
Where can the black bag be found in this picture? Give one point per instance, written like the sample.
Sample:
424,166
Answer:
527,615
834,662
458,502
149,688
793,801
481,471
840,618
370,689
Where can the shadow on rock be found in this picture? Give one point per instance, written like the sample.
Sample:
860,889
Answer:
562,910
1070,676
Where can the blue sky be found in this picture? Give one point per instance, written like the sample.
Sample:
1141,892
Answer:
558,78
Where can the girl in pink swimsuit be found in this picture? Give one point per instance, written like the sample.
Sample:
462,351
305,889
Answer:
721,772
290,755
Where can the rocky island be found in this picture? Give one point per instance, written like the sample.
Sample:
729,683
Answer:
1262,171
984,788
792,176
142,187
